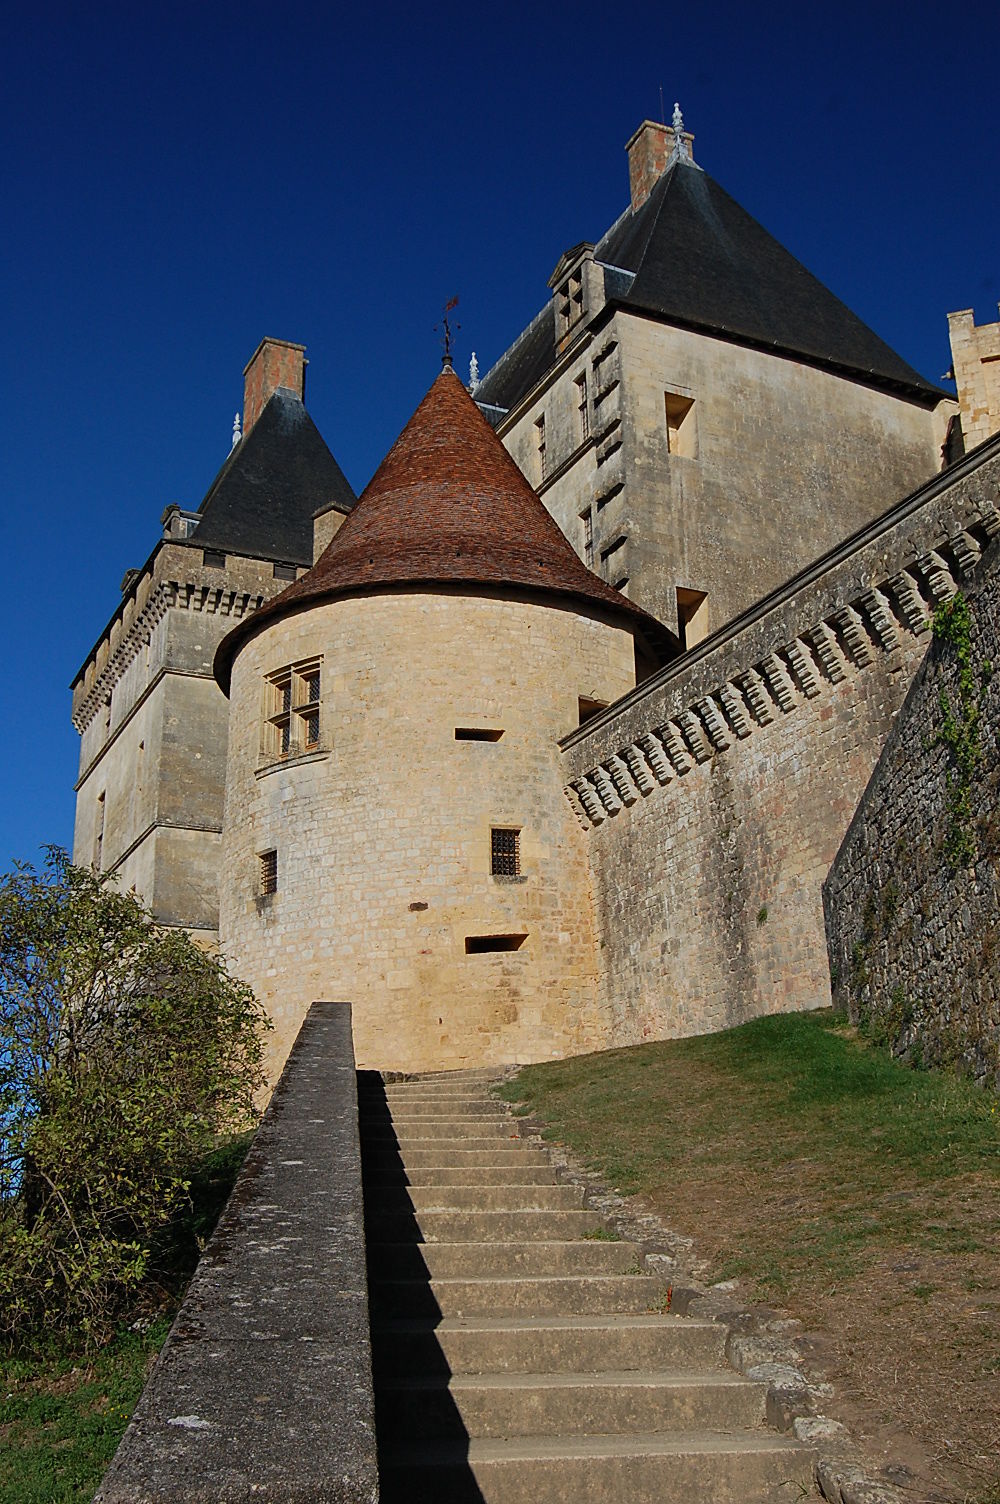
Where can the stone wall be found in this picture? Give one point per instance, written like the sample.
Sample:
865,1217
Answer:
716,794
382,832
777,460
975,354
913,899
153,727
263,1391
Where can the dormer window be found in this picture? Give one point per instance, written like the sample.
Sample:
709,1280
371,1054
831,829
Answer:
576,285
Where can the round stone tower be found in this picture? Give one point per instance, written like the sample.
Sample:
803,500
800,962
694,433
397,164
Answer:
396,832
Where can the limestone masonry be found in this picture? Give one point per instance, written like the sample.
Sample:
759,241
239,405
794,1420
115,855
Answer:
548,742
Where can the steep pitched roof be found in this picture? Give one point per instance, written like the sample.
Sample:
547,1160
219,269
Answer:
691,255
701,259
262,501
448,506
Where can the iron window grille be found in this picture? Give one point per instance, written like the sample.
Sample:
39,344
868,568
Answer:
268,872
505,852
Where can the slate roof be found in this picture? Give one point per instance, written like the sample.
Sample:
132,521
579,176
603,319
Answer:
692,256
262,501
448,506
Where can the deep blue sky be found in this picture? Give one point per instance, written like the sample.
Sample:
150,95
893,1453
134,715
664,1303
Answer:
178,182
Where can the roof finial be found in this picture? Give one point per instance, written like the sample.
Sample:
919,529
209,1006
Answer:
446,337
237,433
473,374
681,151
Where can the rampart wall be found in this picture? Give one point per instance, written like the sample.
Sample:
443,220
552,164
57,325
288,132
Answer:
913,899
716,794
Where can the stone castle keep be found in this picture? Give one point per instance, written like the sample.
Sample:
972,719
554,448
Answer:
548,742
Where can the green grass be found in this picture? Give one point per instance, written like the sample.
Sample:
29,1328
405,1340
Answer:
60,1422
795,1102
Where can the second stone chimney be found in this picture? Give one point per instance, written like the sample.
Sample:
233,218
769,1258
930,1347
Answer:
649,152
274,363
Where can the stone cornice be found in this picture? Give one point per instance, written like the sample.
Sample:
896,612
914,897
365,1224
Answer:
830,622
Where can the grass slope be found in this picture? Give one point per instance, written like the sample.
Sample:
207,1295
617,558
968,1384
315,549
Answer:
862,1195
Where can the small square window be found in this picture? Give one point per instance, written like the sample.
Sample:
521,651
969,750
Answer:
268,872
284,571
682,436
505,852
212,558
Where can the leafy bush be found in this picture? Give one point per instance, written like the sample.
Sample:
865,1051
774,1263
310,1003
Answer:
125,1052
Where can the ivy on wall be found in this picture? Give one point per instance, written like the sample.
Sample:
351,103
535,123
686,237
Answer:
960,729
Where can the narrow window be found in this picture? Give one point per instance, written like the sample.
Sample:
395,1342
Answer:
505,852
99,834
284,571
540,448
268,872
477,734
692,616
588,708
477,944
140,758
587,523
582,407
211,558
681,433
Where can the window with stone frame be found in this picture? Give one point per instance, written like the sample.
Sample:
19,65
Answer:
583,406
292,710
505,852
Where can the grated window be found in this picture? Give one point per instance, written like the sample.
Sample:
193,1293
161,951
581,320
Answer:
505,852
268,872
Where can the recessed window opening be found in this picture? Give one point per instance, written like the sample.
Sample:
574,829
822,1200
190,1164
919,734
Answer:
478,944
692,616
212,558
99,833
587,523
682,438
589,708
583,407
478,734
540,447
268,872
505,852
284,571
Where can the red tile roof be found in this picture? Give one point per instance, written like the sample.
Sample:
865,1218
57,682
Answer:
448,506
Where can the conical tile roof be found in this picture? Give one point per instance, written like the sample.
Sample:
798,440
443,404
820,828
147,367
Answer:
448,506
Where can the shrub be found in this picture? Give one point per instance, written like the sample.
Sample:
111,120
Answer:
125,1053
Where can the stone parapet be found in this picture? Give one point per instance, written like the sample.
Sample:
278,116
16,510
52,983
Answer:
717,793
263,1390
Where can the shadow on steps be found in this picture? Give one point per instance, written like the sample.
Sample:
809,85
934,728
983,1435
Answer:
413,1405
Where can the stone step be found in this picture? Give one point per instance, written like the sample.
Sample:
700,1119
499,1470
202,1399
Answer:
483,1198
648,1468
568,1404
452,1126
445,1107
389,1177
548,1344
500,1260
478,1227
558,1295
432,1153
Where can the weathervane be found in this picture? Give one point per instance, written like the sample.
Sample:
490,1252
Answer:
447,336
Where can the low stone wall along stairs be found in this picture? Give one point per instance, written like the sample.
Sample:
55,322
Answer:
518,1358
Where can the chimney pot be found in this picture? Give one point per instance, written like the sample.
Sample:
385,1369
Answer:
274,363
649,151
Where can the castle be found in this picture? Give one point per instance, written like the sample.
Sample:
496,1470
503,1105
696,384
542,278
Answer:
549,741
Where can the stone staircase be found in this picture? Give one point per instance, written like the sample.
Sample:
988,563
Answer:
518,1355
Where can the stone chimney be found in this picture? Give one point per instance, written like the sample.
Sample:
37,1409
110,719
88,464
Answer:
649,151
274,363
975,355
